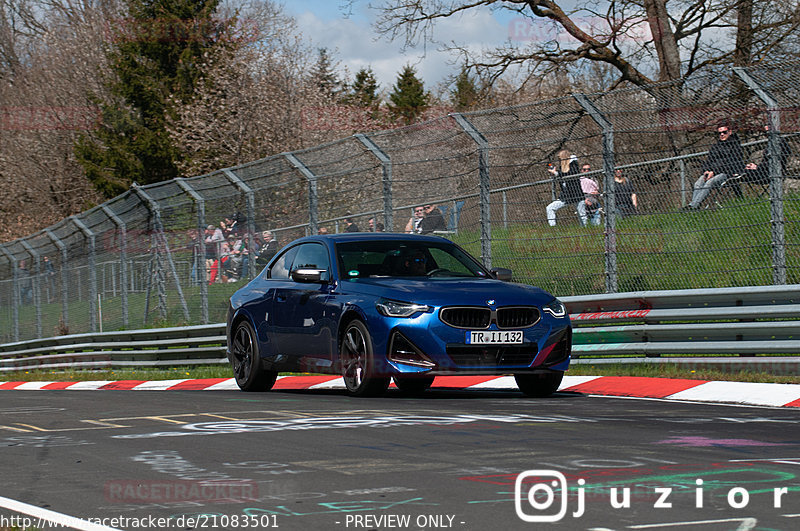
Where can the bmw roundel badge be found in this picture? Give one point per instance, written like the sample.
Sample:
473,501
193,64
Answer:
490,302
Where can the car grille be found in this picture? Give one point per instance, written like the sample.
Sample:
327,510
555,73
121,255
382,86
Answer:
480,318
467,356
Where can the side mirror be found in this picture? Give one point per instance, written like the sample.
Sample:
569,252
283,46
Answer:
501,273
310,276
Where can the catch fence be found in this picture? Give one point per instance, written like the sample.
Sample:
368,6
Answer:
140,259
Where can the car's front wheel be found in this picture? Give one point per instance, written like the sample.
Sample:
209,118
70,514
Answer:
413,385
539,385
247,369
358,362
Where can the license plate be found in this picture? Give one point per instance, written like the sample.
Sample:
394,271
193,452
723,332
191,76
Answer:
494,337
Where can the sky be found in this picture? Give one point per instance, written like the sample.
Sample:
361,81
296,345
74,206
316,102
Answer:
352,40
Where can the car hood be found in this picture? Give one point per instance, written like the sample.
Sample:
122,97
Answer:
445,291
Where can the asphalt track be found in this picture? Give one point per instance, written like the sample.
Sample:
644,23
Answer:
471,459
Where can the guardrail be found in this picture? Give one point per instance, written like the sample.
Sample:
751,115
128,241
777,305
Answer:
640,326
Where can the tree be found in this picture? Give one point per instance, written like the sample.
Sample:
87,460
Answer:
364,90
685,36
408,98
323,75
156,59
465,94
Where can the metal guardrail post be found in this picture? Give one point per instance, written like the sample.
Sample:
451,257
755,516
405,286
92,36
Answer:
386,165
14,291
251,219
36,284
159,226
123,259
201,249
483,186
612,281
313,199
64,282
777,218
92,258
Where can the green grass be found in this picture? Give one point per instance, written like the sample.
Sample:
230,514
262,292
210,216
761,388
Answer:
659,370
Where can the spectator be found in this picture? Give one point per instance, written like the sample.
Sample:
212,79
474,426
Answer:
268,248
323,230
589,208
625,201
373,228
569,184
213,241
233,261
413,225
725,159
349,225
50,271
25,283
759,173
433,220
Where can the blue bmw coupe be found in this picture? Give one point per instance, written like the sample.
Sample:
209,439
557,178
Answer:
380,306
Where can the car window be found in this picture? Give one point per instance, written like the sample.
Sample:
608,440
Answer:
445,260
281,268
401,258
311,255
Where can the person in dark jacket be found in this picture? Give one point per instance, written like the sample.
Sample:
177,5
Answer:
569,183
759,173
433,220
725,159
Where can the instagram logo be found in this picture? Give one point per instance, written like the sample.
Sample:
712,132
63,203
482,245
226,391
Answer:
540,498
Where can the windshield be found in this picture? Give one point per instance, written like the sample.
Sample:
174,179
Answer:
400,258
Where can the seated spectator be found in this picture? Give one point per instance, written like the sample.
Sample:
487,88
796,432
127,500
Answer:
724,160
625,201
570,193
373,228
759,173
433,220
413,225
268,248
589,208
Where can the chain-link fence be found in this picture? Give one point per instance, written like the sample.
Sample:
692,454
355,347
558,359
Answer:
154,256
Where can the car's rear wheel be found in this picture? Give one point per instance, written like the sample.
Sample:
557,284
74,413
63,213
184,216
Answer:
539,385
246,362
358,362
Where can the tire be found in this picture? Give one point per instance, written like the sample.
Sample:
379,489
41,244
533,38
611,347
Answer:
539,385
413,385
358,362
246,362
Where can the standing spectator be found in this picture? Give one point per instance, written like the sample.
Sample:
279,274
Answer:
213,241
433,220
725,159
373,228
625,201
567,174
349,225
268,249
589,208
413,225
26,283
50,271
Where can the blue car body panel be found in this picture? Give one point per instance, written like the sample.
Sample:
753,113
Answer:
298,324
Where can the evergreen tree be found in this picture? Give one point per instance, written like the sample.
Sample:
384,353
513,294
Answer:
465,94
408,99
364,90
157,56
323,75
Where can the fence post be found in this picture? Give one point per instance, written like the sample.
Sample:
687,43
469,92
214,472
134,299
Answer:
313,206
386,165
123,257
201,246
777,219
251,219
64,282
90,242
159,226
484,186
36,285
612,281
14,290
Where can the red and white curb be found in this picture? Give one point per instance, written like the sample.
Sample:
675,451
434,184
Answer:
757,394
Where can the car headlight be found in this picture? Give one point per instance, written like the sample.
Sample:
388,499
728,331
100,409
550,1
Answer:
391,308
555,308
